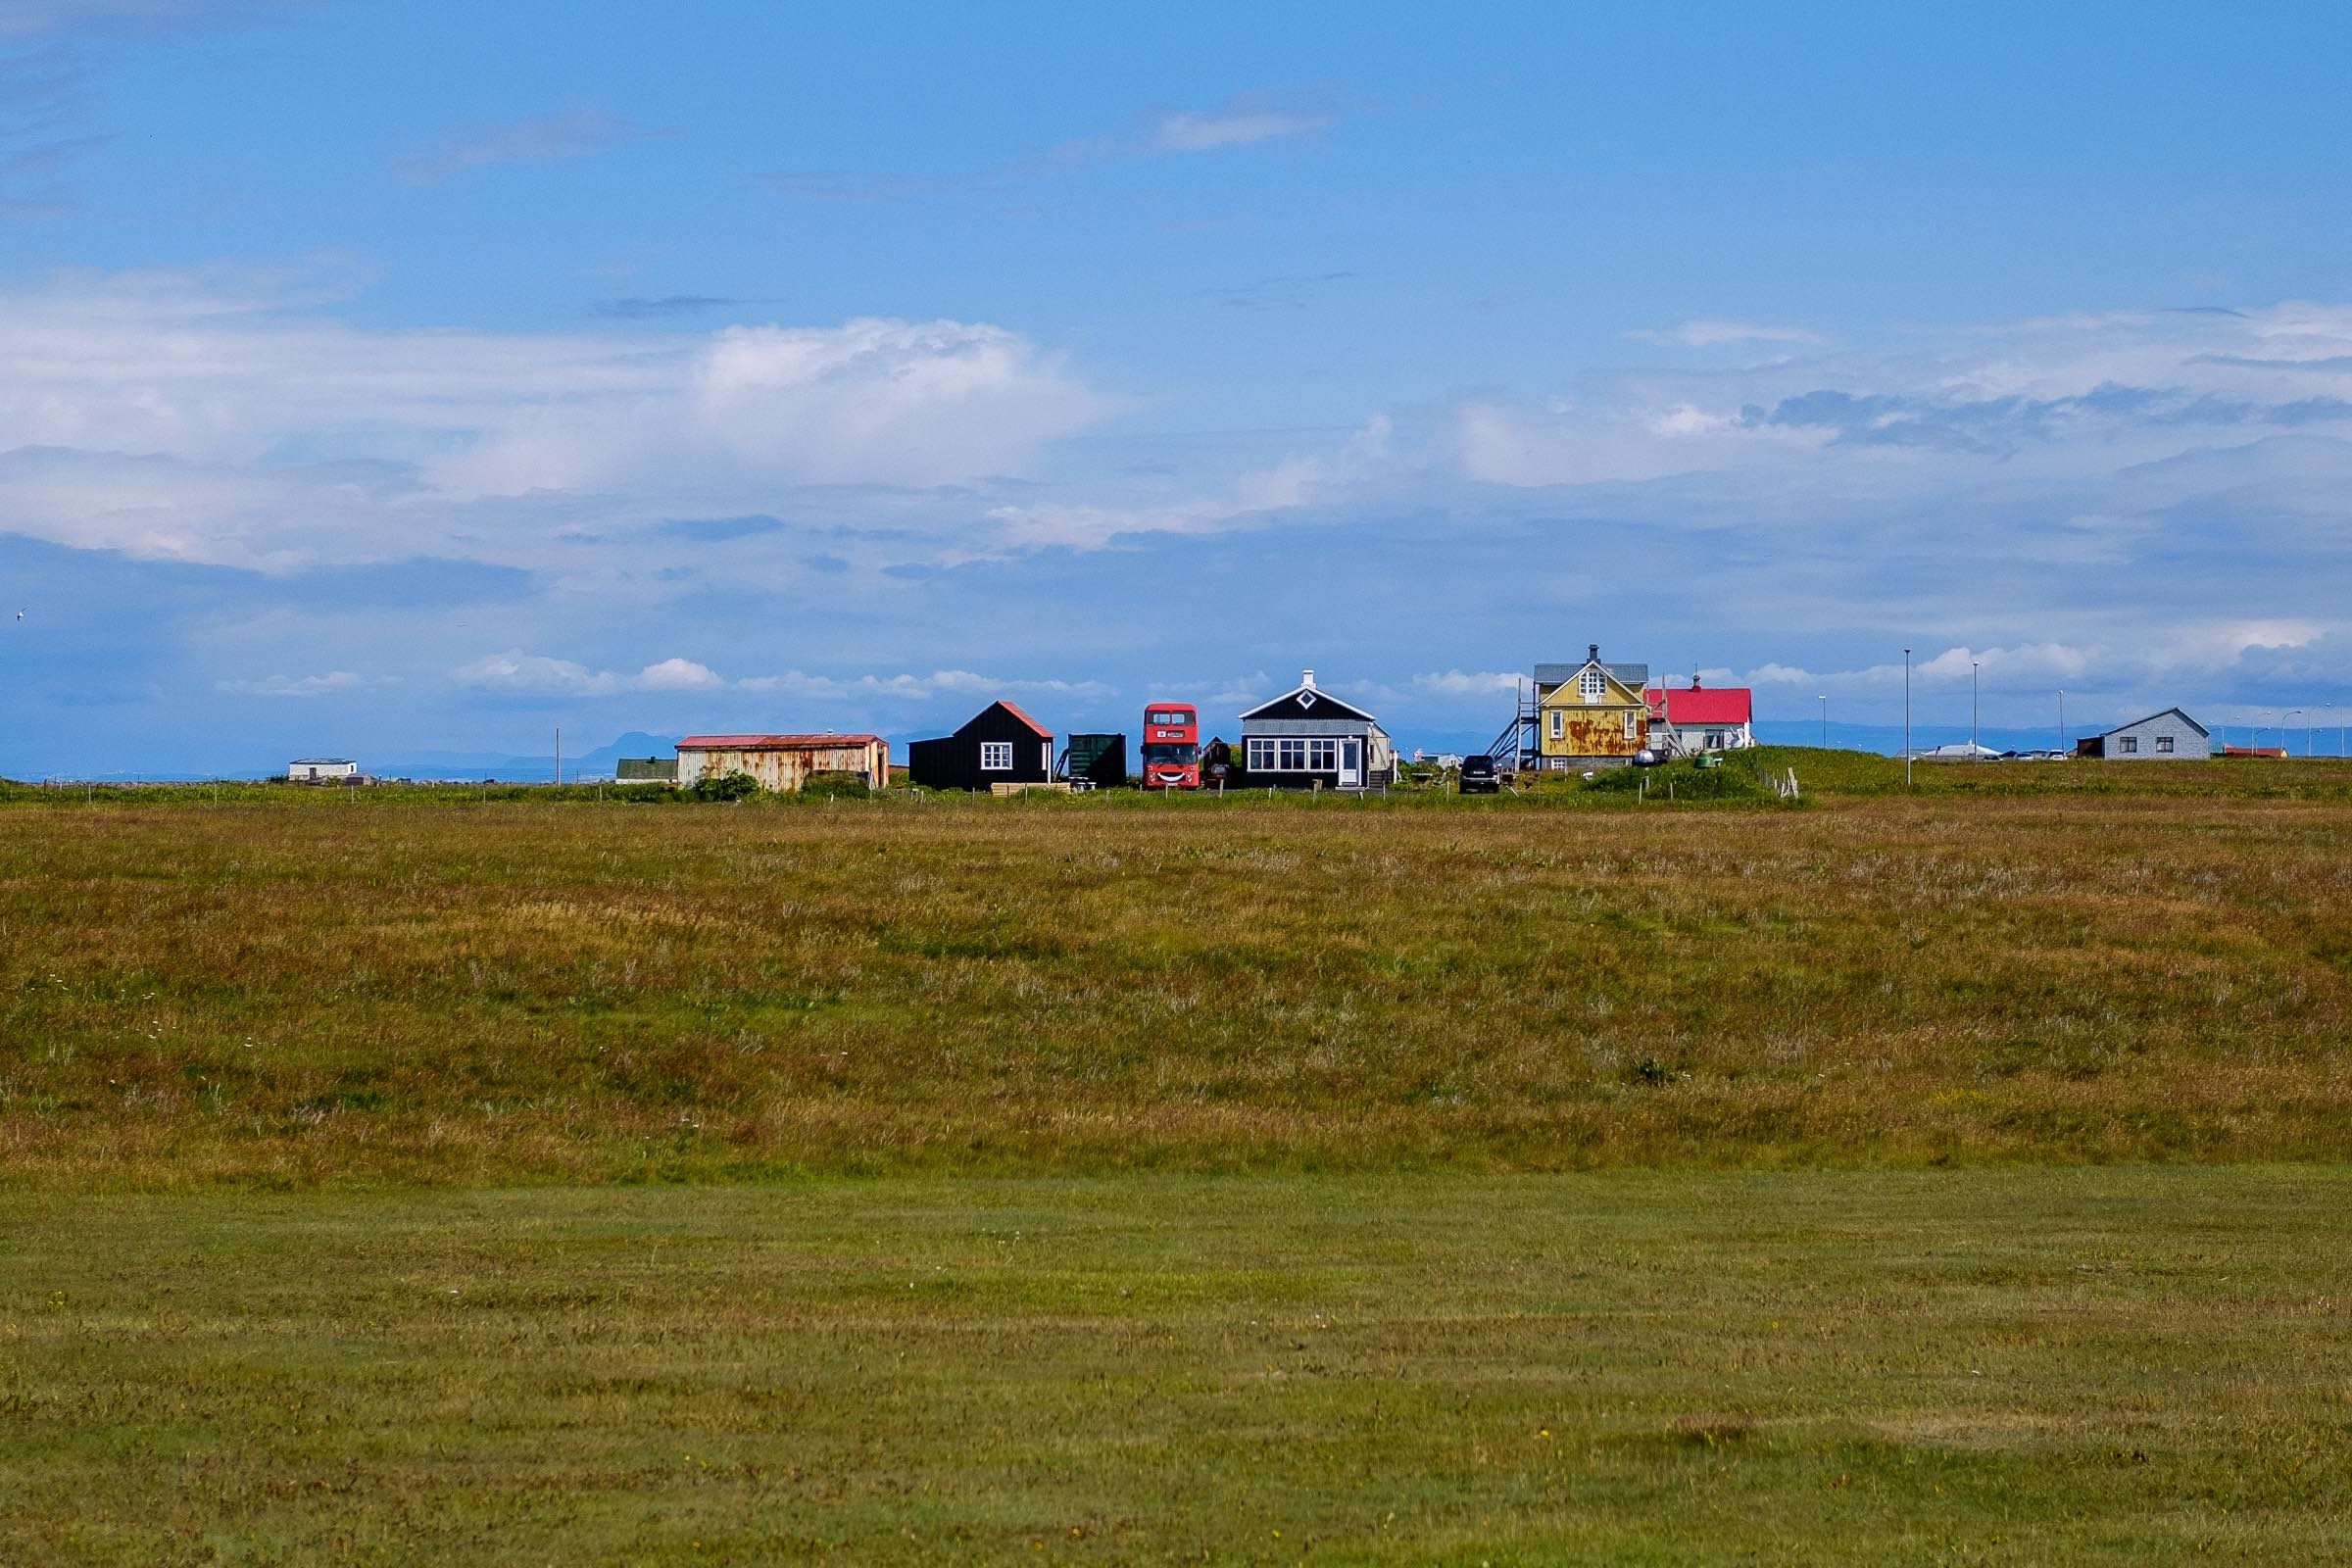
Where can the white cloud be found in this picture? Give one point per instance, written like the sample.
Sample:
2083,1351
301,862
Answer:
572,133
151,412
1475,683
677,675
1360,464
2046,400
966,683
1709,333
1240,122
536,675
793,683
2141,660
27,18
920,688
517,673
338,680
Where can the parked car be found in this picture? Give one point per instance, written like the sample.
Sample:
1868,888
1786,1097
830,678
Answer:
1478,775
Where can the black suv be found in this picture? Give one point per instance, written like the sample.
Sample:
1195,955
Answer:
1478,776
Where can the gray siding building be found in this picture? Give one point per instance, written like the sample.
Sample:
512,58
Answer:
2169,736
1306,738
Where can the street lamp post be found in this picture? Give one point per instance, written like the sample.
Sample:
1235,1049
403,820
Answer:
2284,750
1906,718
1972,710
2063,748
1824,722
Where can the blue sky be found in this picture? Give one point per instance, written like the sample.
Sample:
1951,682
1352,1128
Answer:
379,380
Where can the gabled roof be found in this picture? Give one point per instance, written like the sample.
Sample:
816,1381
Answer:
2158,714
1713,705
1633,678
770,743
1563,692
321,761
1320,704
1042,733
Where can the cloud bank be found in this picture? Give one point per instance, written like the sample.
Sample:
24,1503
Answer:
2142,503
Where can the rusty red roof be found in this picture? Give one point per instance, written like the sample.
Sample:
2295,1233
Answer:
1714,705
770,743
1014,710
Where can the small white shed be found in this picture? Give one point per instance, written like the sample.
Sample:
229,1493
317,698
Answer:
322,769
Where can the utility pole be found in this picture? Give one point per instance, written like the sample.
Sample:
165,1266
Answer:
2063,748
1824,722
558,757
1906,718
1972,709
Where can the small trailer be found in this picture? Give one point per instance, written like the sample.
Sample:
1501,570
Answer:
1095,762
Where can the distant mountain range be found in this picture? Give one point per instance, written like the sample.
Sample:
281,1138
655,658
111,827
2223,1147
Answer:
516,770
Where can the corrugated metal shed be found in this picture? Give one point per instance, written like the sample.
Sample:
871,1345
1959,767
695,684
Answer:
783,761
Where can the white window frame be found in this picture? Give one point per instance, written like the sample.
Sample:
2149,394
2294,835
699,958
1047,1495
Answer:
1592,685
1629,723
996,756
1559,725
1294,754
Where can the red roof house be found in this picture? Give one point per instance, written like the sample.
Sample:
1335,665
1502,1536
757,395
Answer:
1700,718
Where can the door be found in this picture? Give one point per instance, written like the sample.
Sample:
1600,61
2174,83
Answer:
1351,763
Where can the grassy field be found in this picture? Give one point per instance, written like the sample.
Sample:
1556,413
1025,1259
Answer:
2081,1366
267,994
393,1176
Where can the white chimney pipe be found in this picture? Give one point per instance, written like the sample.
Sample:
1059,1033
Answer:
1306,678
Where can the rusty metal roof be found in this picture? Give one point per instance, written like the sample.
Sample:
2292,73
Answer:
770,743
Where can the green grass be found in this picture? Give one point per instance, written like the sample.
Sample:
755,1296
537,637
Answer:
387,1180
329,994
2091,1366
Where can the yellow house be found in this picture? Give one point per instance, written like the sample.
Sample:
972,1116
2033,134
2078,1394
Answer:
1591,713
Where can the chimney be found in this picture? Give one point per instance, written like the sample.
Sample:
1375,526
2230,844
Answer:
1306,678
1593,653
1694,683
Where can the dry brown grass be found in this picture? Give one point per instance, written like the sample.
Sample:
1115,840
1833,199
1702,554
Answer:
262,993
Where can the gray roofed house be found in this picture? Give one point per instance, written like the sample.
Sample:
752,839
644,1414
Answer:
1633,678
2169,736
1307,738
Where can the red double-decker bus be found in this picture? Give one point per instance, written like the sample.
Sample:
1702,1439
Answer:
1171,746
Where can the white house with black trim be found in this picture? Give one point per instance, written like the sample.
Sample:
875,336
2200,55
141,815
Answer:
322,769
2169,736
1308,737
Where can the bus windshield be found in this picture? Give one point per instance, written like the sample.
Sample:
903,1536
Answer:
1167,753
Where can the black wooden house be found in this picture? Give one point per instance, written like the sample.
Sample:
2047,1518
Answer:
1000,745
1308,737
